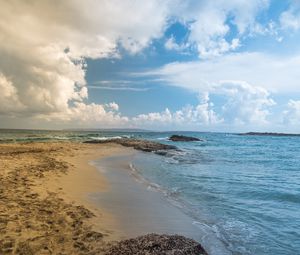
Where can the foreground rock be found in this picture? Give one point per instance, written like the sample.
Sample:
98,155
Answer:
138,144
182,138
157,244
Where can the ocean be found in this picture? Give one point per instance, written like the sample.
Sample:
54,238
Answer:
245,190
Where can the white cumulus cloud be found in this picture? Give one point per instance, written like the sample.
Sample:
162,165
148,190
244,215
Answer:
210,22
292,114
9,100
43,46
245,104
82,114
198,116
290,19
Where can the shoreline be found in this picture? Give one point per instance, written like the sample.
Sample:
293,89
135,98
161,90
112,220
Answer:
84,179
45,206
141,206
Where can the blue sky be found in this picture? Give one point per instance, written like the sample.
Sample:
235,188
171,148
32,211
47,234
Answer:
185,65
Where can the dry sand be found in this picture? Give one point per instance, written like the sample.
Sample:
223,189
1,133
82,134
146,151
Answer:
43,205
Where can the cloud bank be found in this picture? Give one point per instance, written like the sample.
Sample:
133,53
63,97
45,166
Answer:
277,74
44,44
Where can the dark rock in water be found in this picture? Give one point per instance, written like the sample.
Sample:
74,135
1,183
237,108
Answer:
162,153
154,244
182,138
268,134
142,145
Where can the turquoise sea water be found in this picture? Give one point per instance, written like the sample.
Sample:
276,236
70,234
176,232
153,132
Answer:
244,189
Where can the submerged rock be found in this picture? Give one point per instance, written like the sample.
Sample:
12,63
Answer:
182,138
138,144
153,244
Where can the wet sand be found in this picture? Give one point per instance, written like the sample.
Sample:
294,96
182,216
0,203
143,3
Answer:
140,207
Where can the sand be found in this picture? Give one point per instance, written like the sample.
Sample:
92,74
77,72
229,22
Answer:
45,207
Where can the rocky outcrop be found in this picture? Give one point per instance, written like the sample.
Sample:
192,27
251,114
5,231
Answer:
138,144
268,134
154,244
182,138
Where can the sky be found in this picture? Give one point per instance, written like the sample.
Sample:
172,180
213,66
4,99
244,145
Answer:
199,65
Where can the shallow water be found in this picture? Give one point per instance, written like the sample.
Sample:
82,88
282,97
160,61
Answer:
243,189
141,207
246,189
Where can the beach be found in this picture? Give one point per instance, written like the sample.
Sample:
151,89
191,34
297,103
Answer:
48,204
106,193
